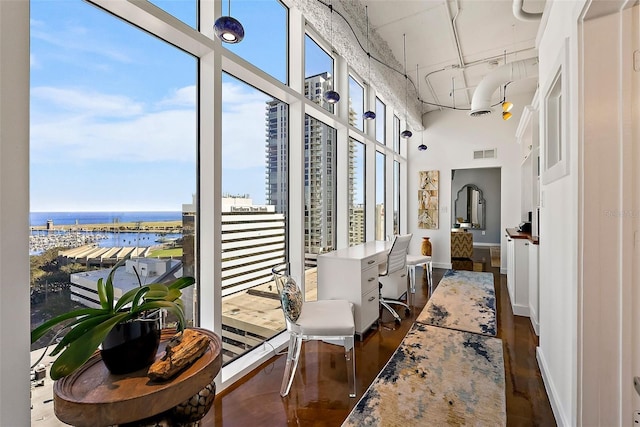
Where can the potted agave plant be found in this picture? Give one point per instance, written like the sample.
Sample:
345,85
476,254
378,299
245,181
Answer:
127,329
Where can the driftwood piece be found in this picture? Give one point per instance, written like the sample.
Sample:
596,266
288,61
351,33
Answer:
180,352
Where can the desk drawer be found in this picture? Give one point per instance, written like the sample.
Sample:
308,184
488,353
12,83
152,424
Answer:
369,262
369,279
369,310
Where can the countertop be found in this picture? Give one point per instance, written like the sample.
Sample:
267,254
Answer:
515,234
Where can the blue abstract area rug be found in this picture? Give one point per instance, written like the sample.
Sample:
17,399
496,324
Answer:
437,377
463,300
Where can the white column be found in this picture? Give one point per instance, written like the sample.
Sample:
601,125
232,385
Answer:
14,214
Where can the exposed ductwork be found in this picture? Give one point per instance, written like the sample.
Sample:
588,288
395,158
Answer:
517,70
520,14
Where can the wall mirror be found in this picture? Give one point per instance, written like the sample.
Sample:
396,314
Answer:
470,208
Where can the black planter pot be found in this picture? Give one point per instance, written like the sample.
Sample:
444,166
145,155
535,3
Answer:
131,346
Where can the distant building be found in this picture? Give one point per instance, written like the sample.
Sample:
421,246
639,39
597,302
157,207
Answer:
84,287
189,214
253,242
356,224
320,168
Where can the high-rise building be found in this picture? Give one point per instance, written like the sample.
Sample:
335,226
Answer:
277,147
320,170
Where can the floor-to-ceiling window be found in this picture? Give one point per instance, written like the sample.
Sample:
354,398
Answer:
357,204
380,223
319,189
124,121
318,73
396,197
265,49
381,113
113,156
356,103
396,134
254,208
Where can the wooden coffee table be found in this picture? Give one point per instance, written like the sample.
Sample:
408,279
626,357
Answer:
93,397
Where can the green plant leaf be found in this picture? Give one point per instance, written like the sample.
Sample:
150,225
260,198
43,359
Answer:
82,326
174,307
138,298
38,332
109,289
102,294
80,350
157,294
182,282
173,295
125,299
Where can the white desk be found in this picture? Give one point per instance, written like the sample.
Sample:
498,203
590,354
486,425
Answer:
352,274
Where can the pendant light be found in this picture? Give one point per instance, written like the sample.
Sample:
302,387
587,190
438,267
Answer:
368,115
331,96
228,29
421,147
506,106
405,133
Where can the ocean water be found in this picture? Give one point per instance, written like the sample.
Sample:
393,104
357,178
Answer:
71,218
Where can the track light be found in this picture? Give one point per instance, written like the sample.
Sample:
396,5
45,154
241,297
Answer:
228,29
506,105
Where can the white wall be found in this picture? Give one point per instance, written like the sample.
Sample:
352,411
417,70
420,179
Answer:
634,111
451,137
558,248
586,239
605,389
14,213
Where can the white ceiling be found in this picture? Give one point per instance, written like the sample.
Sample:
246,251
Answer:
485,30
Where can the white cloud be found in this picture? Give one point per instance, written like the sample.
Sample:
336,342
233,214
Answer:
80,126
183,97
243,126
76,38
83,102
84,126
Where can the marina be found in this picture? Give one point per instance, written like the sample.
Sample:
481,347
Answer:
133,233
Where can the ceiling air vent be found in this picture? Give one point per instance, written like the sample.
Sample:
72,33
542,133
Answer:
485,154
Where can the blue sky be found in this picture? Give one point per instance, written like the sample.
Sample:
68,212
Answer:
113,112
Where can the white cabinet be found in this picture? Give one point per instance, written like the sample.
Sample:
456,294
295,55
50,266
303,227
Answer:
518,274
534,298
352,274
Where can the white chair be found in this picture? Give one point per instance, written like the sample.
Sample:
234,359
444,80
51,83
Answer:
393,283
314,320
412,262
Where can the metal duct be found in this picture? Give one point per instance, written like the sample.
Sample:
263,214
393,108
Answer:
520,14
517,70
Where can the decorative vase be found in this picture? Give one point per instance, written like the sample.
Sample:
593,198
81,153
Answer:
426,246
130,346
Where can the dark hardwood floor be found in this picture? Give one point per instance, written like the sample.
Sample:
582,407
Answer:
319,395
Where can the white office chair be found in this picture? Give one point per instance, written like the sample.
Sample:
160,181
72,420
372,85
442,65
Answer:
393,286
314,320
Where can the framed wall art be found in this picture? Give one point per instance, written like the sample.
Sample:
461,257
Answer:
428,199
